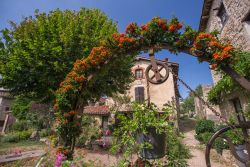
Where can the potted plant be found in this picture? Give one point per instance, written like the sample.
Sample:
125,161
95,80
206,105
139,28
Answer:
239,145
142,131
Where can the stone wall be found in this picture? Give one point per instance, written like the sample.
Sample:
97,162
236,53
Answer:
234,30
209,114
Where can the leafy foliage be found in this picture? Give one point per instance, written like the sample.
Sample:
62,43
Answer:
188,103
158,34
17,136
177,153
35,117
142,118
227,85
20,107
20,125
204,126
36,54
90,131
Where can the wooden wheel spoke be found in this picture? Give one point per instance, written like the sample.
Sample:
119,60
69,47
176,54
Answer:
161,75
152,77
161,68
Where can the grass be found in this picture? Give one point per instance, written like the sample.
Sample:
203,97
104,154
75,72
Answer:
25,143
6,148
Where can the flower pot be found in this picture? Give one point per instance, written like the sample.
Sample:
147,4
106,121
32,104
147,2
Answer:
158,142
240,151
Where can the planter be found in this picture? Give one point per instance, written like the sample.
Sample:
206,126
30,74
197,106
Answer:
158,142
240,151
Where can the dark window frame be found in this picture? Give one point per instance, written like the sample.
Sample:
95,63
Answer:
141,73
246,22
223,15
139,94
247,17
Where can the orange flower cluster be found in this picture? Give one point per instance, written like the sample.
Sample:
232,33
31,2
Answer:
224,53
66,152
174,27
80,79
98,55
80,65
59,150
131,28
162,23
220,51
122,39
214,66
69,115
56,107
58,120
144,27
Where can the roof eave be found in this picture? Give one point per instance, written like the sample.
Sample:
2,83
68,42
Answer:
207,5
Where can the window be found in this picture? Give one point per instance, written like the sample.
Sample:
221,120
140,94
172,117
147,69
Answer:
139,94
246,22
138,74
222,14
105,123
7,108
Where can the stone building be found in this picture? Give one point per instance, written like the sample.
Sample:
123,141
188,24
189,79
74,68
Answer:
201,110
232,19
141,90
6,118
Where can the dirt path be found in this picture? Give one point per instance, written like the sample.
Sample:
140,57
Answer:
197,154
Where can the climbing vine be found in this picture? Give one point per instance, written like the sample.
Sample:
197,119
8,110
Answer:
157,34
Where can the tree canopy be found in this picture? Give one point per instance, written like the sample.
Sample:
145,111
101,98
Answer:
36,54
188,103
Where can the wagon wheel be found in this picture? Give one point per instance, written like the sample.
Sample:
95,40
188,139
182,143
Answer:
161,70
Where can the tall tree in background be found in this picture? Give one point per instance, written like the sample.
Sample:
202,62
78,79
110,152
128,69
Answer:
188,103
36,54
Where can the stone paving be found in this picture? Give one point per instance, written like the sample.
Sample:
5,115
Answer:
197,158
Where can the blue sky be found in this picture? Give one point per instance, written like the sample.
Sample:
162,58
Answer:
124,12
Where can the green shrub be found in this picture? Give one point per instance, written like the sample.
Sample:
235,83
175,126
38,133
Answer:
17,136
20,126
12,138
177,152
199,137
204,126
206,136
24,135
219,145
236,136
45,132
81,140
54,140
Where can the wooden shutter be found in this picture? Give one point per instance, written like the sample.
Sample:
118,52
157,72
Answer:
139,94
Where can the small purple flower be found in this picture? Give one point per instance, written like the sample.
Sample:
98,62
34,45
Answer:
59,158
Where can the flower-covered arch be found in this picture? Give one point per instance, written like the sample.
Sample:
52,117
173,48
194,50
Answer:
157,34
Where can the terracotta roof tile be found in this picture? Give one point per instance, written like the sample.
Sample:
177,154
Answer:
96,110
